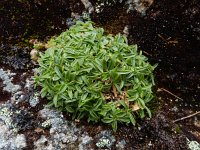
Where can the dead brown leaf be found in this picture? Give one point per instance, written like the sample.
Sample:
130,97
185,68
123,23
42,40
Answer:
135,107
125,97
114,90
39,130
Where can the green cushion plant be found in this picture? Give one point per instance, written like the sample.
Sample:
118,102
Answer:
96,76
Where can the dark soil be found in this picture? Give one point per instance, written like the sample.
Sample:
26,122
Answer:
169,34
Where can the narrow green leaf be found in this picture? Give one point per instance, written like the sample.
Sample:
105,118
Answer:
99,65
124,119
118,88
142,113
85,80
84,96
56,69
148,111
122,72
63,88
122,102
98,103
114,126
93,115
44,91
121,84
55,100
132,119
69,109
107,120
70,94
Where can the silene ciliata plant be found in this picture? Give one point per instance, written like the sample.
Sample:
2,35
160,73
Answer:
89,74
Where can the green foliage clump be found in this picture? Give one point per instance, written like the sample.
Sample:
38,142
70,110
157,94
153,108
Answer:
95,76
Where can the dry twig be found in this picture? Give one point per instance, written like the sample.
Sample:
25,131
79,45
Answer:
186,117
162,89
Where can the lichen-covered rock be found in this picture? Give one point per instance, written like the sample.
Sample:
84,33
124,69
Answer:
6,117
63,134
10,140
15,119
7,78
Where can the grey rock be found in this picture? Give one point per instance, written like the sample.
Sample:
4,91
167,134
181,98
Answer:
141,6
88,5
42,143
85,142
20,141
121,144
18,97
126,30
29,84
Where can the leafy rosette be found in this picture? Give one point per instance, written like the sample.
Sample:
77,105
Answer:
96,76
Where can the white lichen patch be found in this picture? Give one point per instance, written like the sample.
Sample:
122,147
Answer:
105,139
103,142
6,117
46,124
34,100
193,145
